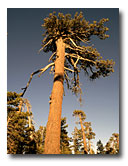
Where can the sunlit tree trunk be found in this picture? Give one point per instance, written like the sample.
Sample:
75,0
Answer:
53,128
84,137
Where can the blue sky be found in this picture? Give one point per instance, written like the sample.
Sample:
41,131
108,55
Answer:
100,97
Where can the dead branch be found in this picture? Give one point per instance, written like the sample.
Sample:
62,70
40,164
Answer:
80,58
45,68
34,73
76,62
73,42
76,48
51,56
80,48
84,41
69,69
45,45
29,81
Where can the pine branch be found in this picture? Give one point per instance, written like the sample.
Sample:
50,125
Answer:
45,68
51,56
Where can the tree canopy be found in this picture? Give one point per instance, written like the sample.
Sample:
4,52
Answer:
80,113
80,53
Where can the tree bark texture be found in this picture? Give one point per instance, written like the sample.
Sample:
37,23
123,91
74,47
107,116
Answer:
53,128
84,137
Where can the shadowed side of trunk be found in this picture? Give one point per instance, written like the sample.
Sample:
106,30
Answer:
53,128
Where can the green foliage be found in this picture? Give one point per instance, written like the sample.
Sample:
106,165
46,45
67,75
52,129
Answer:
22,139
85,129
112,146
89,135
77,146
80,114
13,101
100,147
77,28
19,133
64,139
88,129
40,138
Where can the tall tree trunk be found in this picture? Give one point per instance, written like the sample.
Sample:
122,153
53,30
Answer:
84,137
53,128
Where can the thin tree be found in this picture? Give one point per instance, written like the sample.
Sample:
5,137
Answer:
89,135
100,147
63,37
77,145
82,117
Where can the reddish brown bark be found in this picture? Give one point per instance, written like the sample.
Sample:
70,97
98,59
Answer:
52,140
84,137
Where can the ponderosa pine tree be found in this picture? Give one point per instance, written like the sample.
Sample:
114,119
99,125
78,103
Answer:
64,37
82,116
89,135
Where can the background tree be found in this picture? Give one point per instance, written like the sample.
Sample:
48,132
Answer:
112,146
77,141
64,138
18,131
81,115
89,135
100,147
63,37
40,139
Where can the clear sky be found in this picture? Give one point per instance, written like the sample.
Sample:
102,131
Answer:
100,97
